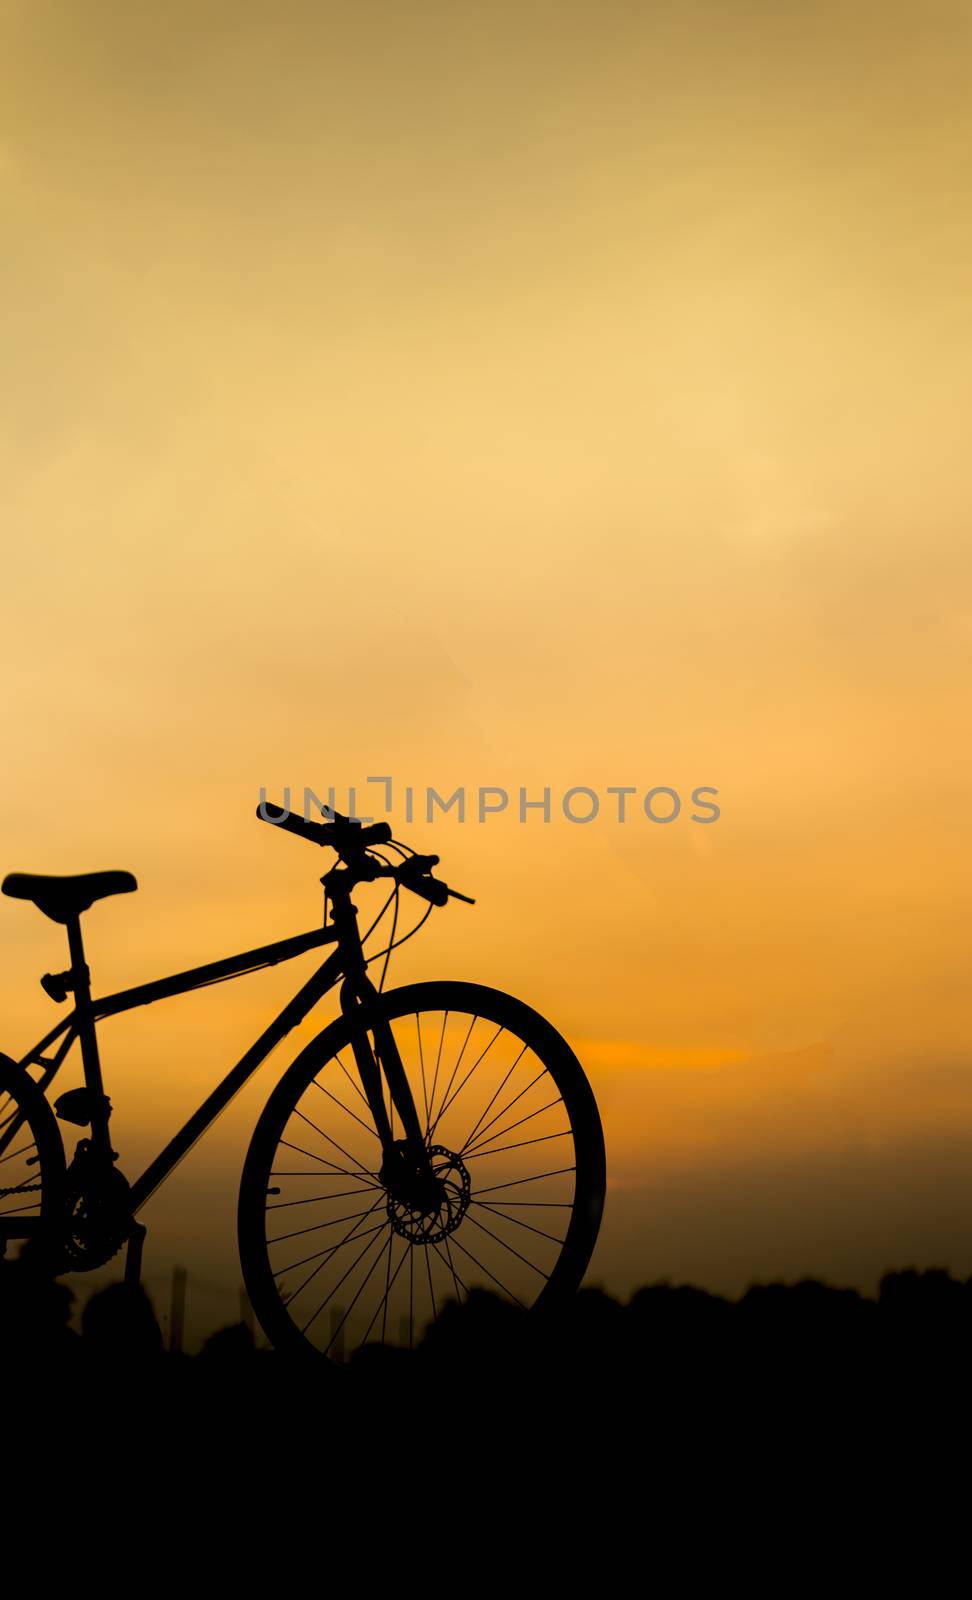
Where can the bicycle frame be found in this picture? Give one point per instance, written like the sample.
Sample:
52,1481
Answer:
347,961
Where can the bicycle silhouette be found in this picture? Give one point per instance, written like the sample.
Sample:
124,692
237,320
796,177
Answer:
430,1140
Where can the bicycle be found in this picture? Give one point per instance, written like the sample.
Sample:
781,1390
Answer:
378,1185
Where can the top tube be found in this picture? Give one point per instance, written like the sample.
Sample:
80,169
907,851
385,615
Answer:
267,955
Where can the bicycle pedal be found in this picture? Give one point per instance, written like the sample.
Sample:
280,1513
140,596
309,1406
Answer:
78,1106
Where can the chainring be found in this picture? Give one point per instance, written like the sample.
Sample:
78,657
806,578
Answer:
97,1212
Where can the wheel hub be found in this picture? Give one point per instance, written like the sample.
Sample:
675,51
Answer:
428,1194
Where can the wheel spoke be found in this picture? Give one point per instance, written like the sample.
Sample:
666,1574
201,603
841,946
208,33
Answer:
325,1254
368,1128
356,1086
23,1149
309,1200
361,1167
428,1264
334,1168
341,1280
334,1171
388,1283
315,1227
483,1268
382,1305
495,1096
425,1093
452,1078
453,1098
508,1247
31,1154
355,1300
518,1220
520,1145
502,1132
312,1172
15,1211
435,1076
535,1178
447,1258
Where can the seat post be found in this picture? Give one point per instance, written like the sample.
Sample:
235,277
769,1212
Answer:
81,980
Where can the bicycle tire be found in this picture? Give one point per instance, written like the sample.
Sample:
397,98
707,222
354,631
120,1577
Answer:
31,1153
477,1207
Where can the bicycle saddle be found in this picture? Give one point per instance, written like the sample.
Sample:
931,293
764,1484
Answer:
61,899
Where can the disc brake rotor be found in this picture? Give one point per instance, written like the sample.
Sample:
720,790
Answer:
448,1201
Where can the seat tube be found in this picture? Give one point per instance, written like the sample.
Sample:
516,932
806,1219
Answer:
81,980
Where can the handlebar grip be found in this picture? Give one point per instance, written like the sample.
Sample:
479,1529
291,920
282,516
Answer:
431,889
340,833
316,832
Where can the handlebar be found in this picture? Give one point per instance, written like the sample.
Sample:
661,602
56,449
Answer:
352,839
343,834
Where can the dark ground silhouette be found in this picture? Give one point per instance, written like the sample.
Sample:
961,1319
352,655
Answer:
683,1425
669,1351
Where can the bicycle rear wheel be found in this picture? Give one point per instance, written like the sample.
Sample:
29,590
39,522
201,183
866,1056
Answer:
333,1261
31,1156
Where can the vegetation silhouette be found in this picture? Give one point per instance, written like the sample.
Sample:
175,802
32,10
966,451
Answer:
677,1407
807,1330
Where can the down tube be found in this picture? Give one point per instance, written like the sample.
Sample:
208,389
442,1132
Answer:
293,1013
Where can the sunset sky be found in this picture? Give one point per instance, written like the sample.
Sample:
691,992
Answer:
512,395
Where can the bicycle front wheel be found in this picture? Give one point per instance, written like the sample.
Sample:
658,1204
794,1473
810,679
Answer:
333,1260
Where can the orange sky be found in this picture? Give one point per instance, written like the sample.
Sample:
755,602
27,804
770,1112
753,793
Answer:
528,394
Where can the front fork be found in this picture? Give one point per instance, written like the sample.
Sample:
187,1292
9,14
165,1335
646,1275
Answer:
361,1001
406,1164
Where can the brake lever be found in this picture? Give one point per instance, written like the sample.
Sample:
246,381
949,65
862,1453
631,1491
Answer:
414,872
